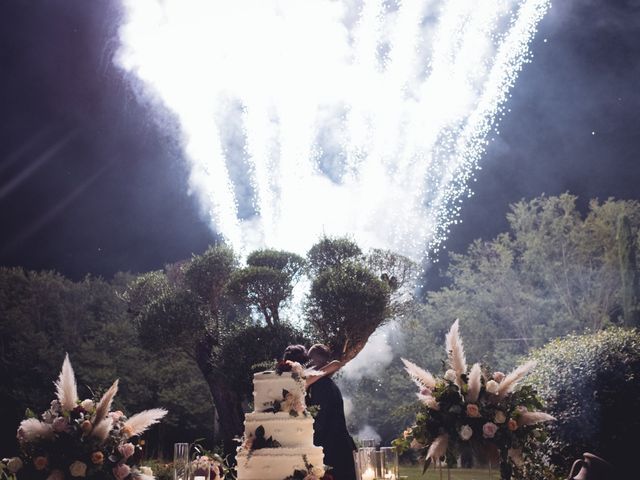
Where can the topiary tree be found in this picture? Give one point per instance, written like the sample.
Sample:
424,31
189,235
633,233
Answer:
267,281
591,384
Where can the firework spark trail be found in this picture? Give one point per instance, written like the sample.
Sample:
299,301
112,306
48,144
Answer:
365,118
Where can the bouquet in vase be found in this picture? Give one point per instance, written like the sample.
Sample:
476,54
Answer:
80,438
473,409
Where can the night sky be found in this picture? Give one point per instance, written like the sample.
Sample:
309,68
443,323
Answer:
91,183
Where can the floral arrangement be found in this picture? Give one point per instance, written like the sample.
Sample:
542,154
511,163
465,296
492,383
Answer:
213,464
291,403
310,472
81,438
257,440
473,409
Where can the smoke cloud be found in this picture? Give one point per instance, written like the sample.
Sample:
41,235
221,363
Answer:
374,357
365,118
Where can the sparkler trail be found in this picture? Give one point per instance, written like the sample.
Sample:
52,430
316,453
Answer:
351,118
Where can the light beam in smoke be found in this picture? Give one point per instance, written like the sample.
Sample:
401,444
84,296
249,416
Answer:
299,119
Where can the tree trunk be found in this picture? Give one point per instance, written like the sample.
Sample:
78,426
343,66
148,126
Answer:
228,403
628,272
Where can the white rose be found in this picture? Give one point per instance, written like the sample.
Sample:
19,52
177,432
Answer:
466,432
78,469
14,464
450,375
318,472
88,404
146,471
492,386
500,417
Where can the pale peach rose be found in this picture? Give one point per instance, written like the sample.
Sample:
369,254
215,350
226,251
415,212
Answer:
500,417
466,432
473,410
492,386
88,405
498,376
450,375
146,471
78,469
121,471
126,450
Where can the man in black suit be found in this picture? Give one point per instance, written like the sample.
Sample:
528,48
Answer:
330,426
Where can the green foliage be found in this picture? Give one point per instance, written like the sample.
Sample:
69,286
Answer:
591,385
267,281
174,320
554,272
331,253
206,275
254,345
43,315
346,304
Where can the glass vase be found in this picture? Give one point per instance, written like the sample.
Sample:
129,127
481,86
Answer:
181,461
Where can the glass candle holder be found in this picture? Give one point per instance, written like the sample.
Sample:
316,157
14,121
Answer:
367,463
389,463
181,461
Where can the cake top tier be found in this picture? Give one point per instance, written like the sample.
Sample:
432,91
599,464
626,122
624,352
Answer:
283,391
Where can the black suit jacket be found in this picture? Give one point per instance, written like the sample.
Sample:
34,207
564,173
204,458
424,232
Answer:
330,428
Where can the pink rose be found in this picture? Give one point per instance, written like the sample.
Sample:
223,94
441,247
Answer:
473,410
126,450
60,424
116,415
427,392
121,471
498,376
489,430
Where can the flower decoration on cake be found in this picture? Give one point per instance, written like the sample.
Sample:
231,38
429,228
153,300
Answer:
473,407
291,403
310,472
81,438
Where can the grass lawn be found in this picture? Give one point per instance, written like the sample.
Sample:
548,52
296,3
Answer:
415,473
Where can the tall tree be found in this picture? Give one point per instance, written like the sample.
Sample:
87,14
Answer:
267,281
628,272
186,310
347,301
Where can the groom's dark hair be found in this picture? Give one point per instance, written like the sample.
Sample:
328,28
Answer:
296,353
320,355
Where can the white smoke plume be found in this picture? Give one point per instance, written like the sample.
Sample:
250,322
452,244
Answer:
373,358
363,118
368,433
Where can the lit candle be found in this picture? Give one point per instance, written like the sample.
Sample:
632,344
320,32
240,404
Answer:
198,477
389,476
368,474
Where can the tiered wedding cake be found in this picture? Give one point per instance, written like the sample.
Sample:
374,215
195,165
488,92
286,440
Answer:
278,435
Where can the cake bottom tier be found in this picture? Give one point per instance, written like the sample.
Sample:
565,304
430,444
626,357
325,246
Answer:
276,463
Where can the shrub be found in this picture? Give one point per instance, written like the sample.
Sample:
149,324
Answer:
591,384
